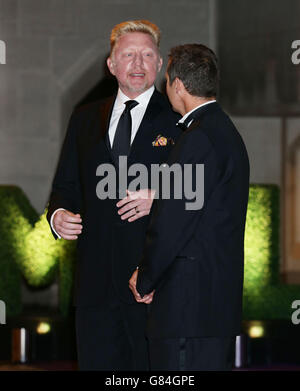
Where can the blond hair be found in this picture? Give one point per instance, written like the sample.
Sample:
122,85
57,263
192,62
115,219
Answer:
134,26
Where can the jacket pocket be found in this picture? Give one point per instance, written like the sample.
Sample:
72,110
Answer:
185,258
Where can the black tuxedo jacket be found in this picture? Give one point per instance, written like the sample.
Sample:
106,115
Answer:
108,249
194,258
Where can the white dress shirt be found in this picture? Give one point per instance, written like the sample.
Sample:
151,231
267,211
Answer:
187,114
137,114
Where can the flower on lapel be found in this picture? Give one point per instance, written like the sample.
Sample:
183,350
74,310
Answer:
162,141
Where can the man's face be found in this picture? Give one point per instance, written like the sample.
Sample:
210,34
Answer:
135,62
172,95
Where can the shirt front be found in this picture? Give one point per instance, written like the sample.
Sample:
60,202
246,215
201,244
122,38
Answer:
137,113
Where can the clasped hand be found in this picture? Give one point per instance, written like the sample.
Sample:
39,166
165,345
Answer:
147,299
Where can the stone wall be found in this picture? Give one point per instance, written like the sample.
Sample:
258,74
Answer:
55,54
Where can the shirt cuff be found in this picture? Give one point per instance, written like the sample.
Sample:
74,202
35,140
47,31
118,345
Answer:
51,222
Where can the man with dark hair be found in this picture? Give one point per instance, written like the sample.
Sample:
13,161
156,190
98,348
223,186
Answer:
193,259
110,325
197,67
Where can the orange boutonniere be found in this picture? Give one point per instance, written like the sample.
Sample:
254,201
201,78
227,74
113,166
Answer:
162,141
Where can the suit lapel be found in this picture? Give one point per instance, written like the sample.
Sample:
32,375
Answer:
201,112
153,109
105,115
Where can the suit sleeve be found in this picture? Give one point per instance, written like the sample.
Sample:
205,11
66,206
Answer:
172,225
65,193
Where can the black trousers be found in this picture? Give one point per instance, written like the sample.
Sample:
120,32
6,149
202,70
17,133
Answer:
192,354
112,338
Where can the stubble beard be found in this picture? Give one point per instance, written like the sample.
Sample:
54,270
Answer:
138,90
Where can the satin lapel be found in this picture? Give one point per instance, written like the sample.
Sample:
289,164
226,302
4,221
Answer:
153,109
202,111
105,114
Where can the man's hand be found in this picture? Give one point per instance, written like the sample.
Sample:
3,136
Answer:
67,224
136,204
147,299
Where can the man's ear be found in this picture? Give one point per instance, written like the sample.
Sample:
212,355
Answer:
159,65
179,86
110,65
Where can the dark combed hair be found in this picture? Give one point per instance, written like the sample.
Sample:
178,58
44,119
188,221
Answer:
197,67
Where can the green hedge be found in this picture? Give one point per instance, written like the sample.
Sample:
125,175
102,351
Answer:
16,219
27,248
264,296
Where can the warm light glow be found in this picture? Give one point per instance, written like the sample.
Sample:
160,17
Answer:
256,331
43,328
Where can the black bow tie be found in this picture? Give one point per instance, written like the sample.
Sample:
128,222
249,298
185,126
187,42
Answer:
181,125
185,124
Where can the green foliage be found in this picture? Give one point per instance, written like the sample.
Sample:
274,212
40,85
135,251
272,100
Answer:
16,219
261,237
264,296
273,302
28,248
38,256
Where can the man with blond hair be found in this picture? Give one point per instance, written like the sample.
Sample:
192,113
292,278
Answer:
110,233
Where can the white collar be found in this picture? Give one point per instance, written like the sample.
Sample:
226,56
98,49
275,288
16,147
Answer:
142,99
187,114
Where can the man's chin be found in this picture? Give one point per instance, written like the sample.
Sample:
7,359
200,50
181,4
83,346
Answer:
135,90
139,89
